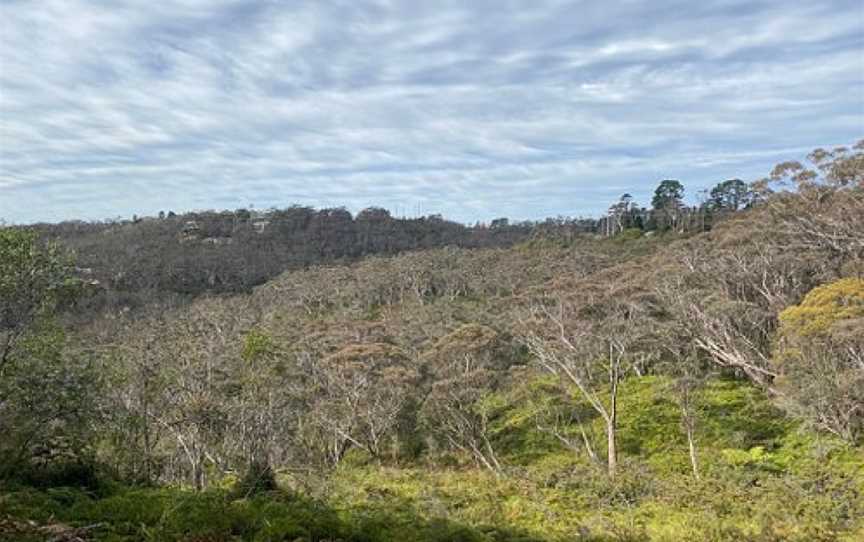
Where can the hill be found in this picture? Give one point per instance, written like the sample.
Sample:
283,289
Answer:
173,258
673,386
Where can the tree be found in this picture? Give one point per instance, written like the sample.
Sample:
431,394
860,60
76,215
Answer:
466,366
587,342
465,349
728,293
667,203
137,384
689,371
46,392
34,280
620,216
556,414
455,411
669,193
840,167
729,196
263,407
686,360
175,381
820,358
361,390
686,391
376,230
826,209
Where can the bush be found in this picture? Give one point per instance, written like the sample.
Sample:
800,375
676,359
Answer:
65,473
820,358
259,478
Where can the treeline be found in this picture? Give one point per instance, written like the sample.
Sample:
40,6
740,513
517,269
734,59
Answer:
668,211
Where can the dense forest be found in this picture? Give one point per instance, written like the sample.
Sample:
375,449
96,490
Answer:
663,373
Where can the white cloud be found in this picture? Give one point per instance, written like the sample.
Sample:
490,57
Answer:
474,109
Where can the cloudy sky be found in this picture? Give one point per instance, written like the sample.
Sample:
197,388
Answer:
474,109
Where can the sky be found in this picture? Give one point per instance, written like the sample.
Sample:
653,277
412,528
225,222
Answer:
471,109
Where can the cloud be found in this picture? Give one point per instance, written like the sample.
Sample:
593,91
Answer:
473,110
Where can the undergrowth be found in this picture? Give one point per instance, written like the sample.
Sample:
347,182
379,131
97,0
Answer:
763,478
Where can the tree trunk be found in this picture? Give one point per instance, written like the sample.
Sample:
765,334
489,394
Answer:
611,447
198,472
480,457
587,442
612,418
693,460
148,474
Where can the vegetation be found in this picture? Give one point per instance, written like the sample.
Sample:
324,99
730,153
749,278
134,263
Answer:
700,383
820,356
174,258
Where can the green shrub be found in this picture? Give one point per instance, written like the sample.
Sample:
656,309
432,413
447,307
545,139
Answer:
61,473
258,478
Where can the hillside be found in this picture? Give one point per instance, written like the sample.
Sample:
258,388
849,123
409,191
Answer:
173,258
664,386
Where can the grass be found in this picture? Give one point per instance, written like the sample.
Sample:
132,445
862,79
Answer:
764,478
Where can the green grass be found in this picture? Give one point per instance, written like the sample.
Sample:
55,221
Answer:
764,478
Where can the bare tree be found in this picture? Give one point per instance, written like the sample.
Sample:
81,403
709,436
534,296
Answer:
558,421
687,395
454,411
466,365
736,336
588,354
361,391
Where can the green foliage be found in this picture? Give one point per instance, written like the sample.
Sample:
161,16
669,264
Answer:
668,195
630,234
45,395
34,278
820,357
730,195
766,480
48,404
823,308
256,345
258,478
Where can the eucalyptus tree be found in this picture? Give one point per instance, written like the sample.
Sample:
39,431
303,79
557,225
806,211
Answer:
465,366
731,195
589,339
360,392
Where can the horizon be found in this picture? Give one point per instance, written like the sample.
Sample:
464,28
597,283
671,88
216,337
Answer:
397,213
472,112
